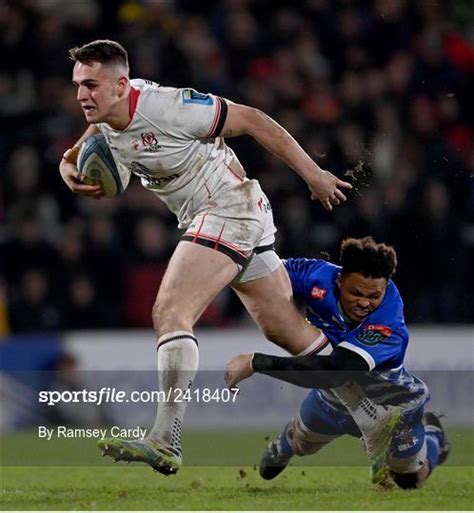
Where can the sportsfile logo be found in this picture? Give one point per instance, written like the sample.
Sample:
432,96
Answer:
115,395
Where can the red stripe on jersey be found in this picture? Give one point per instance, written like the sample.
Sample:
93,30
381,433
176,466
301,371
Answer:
133,100
132,105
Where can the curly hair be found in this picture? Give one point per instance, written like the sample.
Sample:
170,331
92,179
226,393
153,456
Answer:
104,51
367,257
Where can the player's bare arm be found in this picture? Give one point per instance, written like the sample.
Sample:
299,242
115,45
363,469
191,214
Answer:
323,185
69,172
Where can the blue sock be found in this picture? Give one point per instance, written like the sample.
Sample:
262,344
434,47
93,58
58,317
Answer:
284,445
433,442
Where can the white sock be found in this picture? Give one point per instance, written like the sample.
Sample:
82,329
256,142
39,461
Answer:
178,360
363,410
316,347
352,396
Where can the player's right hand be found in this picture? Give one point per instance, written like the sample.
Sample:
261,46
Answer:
238,368
73,178
327,188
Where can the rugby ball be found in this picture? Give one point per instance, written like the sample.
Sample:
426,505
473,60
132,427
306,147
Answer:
96,162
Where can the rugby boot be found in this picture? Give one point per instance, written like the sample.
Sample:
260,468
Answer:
432,423
273,461
164,460
377,442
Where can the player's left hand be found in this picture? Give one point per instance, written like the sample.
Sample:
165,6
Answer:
326,188
237,369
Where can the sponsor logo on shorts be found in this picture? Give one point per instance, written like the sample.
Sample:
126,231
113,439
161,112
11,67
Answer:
373,334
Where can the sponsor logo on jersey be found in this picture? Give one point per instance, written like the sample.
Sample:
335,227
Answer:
146,174
264,205
159,181
373,334
318,293
190,96
139,169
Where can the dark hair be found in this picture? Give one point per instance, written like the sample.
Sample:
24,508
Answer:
368,258
104,51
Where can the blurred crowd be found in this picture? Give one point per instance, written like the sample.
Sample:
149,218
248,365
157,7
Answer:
374,89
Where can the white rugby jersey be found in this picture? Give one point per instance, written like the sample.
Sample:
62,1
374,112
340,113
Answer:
172,143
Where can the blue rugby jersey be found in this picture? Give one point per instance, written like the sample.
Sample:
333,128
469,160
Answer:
381,339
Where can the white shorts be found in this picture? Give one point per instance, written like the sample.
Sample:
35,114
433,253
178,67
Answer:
240,225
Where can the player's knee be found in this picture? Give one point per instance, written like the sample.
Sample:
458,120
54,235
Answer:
271,333
166,318
408,481
301,440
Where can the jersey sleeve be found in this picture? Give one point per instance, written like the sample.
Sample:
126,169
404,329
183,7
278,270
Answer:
381,339
201,115
299,270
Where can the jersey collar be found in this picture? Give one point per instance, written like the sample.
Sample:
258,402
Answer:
133,100
132,107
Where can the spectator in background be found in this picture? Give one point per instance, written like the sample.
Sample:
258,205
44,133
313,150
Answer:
399,74
82,308
33,309
145,269
24,249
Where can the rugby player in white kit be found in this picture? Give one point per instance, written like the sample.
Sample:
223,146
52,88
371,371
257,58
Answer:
173,139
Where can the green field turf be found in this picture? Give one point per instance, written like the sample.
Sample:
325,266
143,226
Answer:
320,484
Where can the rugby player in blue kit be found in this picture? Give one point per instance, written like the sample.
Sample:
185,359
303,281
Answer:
360,310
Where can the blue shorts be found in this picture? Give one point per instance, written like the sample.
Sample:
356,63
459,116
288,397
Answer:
408,450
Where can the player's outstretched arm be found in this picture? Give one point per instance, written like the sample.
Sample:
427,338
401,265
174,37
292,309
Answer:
324,186
310,371
69,172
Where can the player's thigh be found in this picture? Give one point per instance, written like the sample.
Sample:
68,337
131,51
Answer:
313,427
195,275
269,301
318,417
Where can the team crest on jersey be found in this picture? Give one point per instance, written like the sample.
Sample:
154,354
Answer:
373,334
318,293
149,142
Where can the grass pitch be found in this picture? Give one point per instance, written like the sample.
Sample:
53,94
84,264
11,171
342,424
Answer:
230,486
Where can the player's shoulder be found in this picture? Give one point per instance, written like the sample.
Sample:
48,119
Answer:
144,85
389,316
311,264
393,301
153,92
173,99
